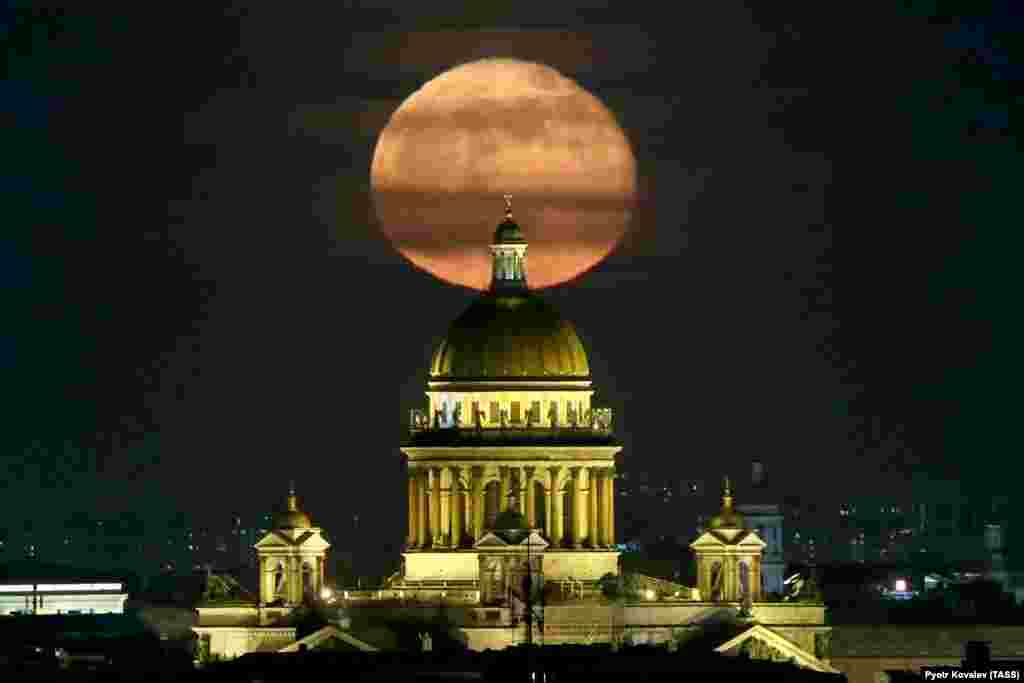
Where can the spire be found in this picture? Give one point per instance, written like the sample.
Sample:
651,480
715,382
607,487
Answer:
293,503
509,252
727,495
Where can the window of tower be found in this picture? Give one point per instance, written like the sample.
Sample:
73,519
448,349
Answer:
494,412
516,416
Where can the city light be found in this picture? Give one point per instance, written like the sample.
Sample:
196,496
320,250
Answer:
326,593
901,585
649,594
78,587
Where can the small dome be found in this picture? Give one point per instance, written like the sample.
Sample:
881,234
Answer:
727,517
292,517
510,520
514,336
509,232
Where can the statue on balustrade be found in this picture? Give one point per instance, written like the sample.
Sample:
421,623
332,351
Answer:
478,418
553,415
570,416
437,419
457,415
503,418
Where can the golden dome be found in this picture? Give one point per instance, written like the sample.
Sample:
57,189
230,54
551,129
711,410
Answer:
727,517
292,517
510,336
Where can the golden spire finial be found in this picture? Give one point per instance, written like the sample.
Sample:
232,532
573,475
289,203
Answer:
727,494
508,205
293,504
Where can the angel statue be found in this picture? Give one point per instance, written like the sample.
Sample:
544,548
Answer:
553,415
796,584
457,415
503,418
571,415
478,418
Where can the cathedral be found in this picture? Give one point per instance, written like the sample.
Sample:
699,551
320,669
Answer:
511,516
509,427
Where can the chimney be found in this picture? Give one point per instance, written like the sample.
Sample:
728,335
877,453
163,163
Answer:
757,473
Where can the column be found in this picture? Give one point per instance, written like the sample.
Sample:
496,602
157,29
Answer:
557,522
446,506
264,583
609,488
597,486
478,503
531,502
504,475
549,516
521,491
318,579
411,536
592,507
423,530
578,512
435,507
294,580
456,509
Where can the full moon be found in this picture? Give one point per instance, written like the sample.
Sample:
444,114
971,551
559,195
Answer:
495,126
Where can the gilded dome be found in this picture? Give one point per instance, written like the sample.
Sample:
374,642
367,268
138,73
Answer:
292,517
727,517
510,336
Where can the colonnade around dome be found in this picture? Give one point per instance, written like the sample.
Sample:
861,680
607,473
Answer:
451,505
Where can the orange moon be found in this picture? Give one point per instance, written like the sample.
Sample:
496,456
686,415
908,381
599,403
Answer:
495,126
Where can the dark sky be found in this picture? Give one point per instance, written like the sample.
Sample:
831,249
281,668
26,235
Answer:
199,305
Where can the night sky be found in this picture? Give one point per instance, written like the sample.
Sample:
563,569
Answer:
199,304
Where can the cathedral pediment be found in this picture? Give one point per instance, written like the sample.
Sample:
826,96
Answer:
491,540
738,538
761,642
513,540
309,539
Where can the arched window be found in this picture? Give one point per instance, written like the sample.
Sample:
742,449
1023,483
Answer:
744,580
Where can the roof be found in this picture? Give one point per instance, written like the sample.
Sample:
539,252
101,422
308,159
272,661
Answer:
510,336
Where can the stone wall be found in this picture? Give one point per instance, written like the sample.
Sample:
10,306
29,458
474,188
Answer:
450,566
584,566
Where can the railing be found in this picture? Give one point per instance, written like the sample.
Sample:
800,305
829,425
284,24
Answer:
596,420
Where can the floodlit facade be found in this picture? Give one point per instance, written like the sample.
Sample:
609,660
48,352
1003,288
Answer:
62,597
509,426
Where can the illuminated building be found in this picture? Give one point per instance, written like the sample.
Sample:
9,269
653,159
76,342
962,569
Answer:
36,589
509,425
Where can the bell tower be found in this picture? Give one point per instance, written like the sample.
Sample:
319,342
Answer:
728,557
291,557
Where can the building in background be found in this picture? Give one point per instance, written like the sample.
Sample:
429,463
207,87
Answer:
33,588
